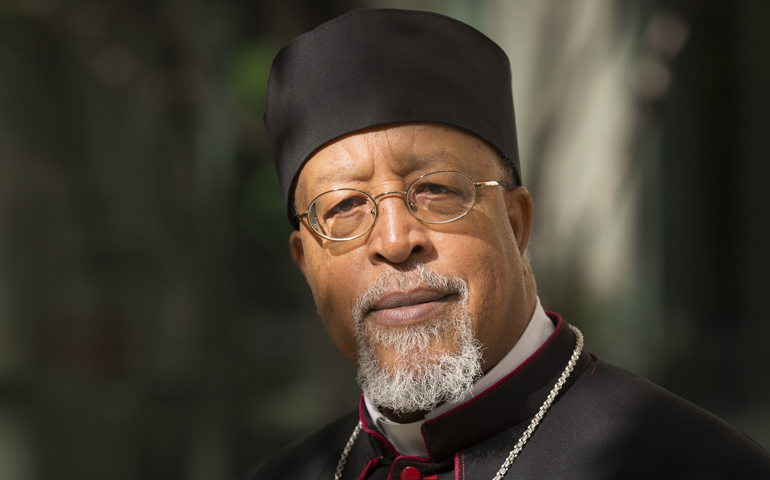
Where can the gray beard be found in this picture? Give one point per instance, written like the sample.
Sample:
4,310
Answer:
424,374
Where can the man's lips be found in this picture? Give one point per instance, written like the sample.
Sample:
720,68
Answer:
402,308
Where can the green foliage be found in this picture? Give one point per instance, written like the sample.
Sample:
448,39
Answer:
249,70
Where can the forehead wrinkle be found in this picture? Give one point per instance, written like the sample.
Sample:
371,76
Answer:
345,167
440,160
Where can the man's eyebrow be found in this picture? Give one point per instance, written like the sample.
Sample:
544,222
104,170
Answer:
338,176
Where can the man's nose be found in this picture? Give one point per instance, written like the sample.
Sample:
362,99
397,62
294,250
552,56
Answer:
397,236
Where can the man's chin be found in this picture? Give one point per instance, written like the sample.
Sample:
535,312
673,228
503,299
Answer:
421,380
390,359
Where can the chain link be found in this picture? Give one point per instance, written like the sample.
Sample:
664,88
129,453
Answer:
346,452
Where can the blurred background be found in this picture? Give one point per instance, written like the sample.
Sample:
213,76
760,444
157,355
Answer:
152,324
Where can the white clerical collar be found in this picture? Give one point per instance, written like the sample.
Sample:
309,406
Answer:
407,437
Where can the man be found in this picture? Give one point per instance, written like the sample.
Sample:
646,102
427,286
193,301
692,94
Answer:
395,143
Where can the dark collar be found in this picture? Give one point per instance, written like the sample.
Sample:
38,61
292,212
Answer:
514,399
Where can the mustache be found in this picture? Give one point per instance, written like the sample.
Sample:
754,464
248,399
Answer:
419,276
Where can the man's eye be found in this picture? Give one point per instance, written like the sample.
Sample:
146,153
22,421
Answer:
347,205
433,189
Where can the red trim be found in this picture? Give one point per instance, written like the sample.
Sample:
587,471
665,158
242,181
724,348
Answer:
418,459
434,477
392,471
459,459
596,362
369,465
371,432
557,330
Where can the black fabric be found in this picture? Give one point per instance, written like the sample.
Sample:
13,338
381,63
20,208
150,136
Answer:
378,67
606,424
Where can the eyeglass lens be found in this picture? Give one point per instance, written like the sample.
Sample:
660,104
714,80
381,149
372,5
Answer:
342,213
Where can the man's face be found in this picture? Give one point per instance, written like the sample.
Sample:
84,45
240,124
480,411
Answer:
482,250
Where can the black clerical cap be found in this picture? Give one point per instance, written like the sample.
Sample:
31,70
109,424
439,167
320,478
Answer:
378,67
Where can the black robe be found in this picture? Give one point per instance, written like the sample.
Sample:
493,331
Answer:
605,423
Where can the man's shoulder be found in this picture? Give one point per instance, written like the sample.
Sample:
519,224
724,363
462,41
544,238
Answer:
312,456
622,411
619,390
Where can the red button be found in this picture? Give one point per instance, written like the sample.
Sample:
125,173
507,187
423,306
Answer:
410,473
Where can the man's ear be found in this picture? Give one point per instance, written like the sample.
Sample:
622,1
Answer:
298,251
521,212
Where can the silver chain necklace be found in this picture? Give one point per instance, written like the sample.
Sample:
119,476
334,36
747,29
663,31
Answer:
527,433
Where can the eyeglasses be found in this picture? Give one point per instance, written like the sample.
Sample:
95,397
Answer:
436,197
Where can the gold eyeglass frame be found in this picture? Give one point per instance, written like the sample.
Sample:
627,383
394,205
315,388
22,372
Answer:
478,185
